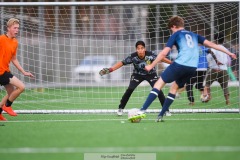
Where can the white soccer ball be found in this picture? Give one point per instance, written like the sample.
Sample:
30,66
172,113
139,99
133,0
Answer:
205,99
133,112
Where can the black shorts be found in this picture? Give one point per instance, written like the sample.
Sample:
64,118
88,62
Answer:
5,78
136,79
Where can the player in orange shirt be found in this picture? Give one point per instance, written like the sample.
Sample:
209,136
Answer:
8,53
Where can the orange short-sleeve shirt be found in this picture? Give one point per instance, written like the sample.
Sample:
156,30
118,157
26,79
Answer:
8,49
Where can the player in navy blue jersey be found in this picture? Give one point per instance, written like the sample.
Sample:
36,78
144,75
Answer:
199,75
139,59
182,69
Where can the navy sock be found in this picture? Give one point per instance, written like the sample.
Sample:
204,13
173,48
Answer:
168,101
8,103
151,97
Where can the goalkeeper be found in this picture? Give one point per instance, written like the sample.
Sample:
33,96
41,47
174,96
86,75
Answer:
139,59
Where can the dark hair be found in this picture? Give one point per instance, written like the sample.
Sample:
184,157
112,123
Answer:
175,21
219,37
140,43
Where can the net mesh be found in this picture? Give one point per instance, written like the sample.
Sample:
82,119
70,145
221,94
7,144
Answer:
66,46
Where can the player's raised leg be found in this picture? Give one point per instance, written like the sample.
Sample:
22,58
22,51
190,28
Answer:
5,101
151,97
153,94
168,101
13,94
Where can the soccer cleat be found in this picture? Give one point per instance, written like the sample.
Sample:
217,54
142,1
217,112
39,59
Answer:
2,118
139,115
120,112
168,113
227,102
191,103
160,119
9,110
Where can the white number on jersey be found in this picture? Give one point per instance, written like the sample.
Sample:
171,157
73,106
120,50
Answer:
189,40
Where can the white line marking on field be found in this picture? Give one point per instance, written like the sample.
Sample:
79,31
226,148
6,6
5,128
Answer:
142,149
98,120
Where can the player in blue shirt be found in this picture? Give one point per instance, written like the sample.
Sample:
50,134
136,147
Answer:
183,68
199,75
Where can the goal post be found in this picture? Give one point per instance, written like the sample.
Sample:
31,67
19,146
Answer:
65,44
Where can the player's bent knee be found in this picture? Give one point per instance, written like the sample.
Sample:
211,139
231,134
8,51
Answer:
21,88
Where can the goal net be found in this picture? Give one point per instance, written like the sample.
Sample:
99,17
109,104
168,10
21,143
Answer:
66,44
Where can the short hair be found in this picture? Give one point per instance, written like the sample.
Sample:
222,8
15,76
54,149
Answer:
12,21
140,43
175,21
219,37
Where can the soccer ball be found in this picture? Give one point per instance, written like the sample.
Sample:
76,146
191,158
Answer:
205,99
133,112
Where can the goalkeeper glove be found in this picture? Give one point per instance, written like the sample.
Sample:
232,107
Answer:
105,71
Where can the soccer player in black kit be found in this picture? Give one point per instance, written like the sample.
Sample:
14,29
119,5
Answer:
139,59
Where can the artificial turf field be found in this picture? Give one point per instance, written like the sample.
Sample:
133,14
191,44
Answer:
62,136
208,136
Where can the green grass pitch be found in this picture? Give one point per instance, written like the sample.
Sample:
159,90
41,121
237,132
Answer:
209,136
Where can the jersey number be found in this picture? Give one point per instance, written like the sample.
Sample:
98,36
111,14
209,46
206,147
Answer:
189,40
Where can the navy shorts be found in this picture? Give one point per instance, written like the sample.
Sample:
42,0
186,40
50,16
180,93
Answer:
179,73
5,78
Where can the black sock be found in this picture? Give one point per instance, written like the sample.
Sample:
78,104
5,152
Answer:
8,103
1,110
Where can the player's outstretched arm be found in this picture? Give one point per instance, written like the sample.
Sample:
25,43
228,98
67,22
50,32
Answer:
214,57
19,67
166,60
217,47
111,69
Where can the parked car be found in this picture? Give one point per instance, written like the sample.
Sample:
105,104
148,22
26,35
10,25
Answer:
89,67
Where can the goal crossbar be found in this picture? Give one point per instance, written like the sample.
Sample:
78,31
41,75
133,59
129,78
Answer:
109,3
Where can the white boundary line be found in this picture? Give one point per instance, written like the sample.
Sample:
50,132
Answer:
121,120
100,111
143,149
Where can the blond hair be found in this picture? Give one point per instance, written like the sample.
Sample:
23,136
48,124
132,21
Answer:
12,21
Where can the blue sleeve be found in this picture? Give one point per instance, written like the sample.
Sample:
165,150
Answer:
201,39
172,40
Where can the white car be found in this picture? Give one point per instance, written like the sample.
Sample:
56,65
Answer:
89,67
